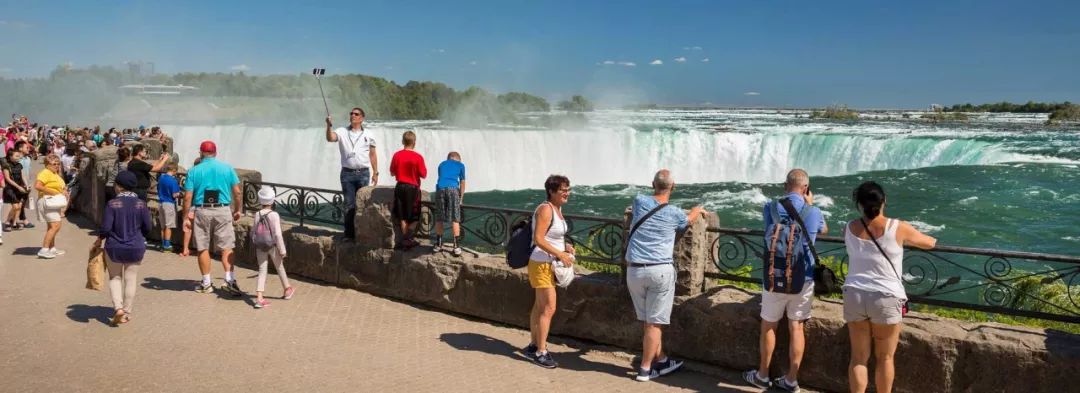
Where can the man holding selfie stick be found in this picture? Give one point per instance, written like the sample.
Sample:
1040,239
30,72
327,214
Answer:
359,162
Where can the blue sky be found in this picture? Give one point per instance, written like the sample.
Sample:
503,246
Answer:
774,53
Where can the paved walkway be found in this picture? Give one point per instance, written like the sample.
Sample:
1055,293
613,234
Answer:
55,337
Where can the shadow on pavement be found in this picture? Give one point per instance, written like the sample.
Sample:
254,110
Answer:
85,313
568,360
30,251
168,285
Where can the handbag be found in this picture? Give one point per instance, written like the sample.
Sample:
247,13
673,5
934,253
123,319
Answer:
904,307
825,280
55,202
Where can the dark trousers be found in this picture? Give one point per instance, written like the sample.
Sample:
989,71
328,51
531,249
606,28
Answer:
351,181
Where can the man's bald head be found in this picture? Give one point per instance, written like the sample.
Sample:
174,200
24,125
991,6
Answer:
796,180
663,182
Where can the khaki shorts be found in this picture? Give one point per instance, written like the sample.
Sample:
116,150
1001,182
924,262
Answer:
879,308
167,212
540,275
216,223
796,305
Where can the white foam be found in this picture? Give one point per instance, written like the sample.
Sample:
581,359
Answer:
925,227
969,200
823,201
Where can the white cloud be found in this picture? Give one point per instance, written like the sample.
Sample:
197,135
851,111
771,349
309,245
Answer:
691,48
751,93
14,24
680,59
628,64
472,62
705,60
388,68
440,50
656,62
609,62
240,67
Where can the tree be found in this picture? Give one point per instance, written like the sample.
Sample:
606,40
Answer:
576,104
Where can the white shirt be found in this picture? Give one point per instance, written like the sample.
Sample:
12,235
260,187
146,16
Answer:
868,269
355,147
555,236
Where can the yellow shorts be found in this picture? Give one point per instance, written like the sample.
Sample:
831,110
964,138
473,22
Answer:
540,274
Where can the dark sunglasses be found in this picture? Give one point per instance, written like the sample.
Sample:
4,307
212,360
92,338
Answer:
356,114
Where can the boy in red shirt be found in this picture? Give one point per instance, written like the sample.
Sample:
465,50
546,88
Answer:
408,167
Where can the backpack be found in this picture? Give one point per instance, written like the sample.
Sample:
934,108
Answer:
261,235
784,257
520,246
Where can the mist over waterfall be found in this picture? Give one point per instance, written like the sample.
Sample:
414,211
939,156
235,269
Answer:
506,158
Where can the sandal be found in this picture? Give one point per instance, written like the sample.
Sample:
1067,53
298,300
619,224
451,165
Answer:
119,317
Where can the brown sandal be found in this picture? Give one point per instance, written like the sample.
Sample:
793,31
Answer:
119,318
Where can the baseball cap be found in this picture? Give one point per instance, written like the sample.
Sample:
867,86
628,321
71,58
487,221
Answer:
208,147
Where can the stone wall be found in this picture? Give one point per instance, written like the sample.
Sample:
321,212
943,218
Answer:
719,326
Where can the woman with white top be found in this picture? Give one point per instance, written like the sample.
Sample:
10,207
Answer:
549,230
874,294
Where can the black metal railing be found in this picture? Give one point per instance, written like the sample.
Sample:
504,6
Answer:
1022,284
303,205
595,239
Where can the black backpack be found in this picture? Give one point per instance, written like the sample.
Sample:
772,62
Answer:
520,246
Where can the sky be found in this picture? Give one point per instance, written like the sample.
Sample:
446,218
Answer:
863,54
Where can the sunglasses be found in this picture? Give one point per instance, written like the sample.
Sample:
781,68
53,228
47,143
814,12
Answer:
356,114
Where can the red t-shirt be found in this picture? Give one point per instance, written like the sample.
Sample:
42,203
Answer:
408,167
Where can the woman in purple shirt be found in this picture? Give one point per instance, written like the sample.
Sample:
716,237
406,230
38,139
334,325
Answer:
124,229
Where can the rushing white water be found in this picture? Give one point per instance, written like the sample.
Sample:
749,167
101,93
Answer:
608,151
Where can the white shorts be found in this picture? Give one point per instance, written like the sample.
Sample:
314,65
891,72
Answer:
797,305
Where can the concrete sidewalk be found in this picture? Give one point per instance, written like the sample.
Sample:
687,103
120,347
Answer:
55,337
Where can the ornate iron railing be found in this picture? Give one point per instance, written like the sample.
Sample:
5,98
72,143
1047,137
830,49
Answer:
596,239
1023,284
301,204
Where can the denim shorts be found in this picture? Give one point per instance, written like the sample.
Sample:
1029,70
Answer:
652,288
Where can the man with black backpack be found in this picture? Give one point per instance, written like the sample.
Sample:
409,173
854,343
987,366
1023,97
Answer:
650,268
791,227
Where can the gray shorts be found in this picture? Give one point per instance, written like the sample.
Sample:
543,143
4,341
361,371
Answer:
214,223
652,289
879,308
448,205
167,212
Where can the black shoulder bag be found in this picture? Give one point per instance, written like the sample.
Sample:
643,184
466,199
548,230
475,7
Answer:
825,281
904,308
638,225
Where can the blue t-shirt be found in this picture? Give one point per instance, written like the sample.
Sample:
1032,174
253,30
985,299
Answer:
211,174
654,240
813,219
166,188
451,173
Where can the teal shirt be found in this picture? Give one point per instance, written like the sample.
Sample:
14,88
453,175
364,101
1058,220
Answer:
211,174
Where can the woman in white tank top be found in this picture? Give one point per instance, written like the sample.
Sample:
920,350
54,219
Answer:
874,289
549,231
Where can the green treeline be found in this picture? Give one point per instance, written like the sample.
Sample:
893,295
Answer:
1029,107
93,93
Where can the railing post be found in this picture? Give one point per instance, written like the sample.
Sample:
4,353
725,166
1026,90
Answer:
303,209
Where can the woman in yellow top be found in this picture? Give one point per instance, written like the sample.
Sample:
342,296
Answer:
52,200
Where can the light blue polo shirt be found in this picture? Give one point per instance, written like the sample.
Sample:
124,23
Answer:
211,174
654,241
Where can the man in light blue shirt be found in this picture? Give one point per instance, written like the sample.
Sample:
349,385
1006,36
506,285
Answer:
212,189
650,270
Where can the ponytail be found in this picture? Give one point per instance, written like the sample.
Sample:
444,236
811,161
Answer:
869,197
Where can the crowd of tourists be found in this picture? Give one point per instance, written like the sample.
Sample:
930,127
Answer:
208,203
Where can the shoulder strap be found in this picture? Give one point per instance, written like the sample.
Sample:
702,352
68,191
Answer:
643,219
871,236
795,215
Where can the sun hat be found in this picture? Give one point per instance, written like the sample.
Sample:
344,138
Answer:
266,195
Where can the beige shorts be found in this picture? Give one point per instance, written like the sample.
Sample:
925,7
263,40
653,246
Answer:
214,223
879,308
167,212
797,305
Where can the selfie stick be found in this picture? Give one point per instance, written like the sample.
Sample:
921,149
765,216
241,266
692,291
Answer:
318,72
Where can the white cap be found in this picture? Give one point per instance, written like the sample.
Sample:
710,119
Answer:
266,195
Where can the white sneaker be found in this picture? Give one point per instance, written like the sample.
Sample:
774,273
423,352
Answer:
46,254
57,251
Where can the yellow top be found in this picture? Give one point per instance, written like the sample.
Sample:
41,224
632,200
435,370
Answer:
51,180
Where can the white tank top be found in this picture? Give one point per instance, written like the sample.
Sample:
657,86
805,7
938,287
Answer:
868,270
554,236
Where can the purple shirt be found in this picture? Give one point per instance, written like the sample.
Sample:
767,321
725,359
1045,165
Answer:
124,228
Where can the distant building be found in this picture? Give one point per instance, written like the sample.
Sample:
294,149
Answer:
158,90
937,107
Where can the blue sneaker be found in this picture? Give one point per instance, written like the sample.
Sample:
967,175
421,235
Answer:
667,367
544,360
166,246
529,350
751,377
646,376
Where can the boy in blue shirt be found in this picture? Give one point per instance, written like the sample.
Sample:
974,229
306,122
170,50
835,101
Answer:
449,192
168,190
